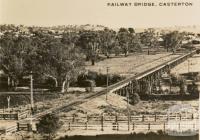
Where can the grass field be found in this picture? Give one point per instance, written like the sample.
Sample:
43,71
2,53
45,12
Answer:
135,63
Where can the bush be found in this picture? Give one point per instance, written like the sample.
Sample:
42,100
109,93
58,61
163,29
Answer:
99,79
89,84
134,98
193,90
48,124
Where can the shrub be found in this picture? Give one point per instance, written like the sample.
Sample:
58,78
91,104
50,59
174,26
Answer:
89,84
193,90
48,124
99,79
134,98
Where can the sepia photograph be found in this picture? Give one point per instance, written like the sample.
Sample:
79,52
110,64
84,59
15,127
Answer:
99,70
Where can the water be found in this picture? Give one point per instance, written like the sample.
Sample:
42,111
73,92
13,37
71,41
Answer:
140,136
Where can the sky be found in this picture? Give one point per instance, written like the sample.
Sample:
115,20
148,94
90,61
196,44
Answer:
70,12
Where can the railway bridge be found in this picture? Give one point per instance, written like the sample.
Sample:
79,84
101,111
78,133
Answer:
149,79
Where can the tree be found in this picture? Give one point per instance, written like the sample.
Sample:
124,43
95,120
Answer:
149,38
61,60
15,51
124,39
107,41
89,42
48,124
173,40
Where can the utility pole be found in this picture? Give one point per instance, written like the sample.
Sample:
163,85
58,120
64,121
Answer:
31,85
31,90
188,65
107,83
128,111
198,124
8,99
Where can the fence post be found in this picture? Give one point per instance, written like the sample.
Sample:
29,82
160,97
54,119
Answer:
17,115
102,122
114,125
149,126
73,120
69,128
143,118
29,127
17,126
116,119
155,117
179,126
86,125
164,127
117,126
180,117
128,122
133,126
192,116
193,126
87,118
116,122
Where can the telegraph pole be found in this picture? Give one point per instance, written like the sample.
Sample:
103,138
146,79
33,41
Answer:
31,90
31,85
107,82
8,99
188,65
128,111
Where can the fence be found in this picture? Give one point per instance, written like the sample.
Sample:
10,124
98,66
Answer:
132,126
132,123
14,115
134,118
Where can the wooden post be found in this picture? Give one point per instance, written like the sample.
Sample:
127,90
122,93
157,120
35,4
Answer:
87,118
133,126
69,128
116,119
192,116
164,127
149,126
17,126
73,120
102,123
167,117
114,125
180,117
142,118
117,126
8,99
86,125
155,117
29,127
128,122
